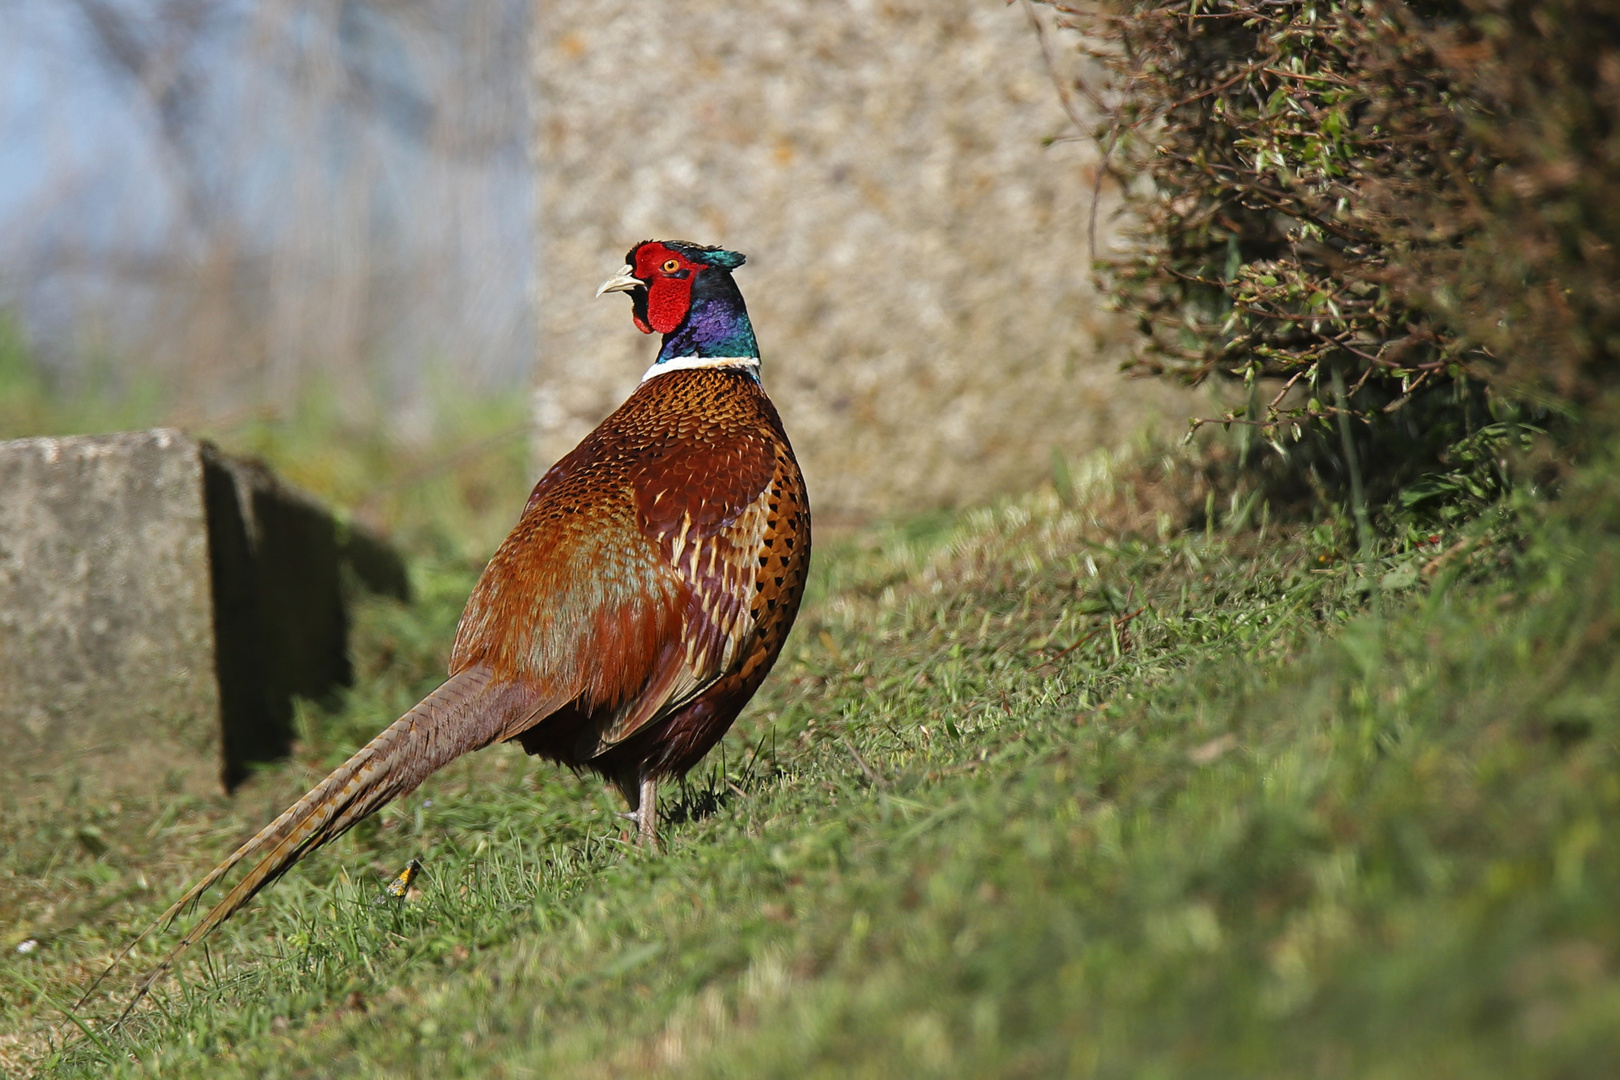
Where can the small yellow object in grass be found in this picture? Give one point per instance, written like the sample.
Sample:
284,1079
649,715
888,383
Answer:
401,885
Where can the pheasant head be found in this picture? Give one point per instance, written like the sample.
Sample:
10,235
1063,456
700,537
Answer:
685,292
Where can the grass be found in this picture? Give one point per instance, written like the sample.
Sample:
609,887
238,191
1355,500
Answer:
1061,787
443,486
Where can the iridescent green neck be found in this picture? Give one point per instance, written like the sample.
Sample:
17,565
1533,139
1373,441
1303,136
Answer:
717,324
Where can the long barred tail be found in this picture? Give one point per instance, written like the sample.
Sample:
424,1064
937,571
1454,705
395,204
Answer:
468,712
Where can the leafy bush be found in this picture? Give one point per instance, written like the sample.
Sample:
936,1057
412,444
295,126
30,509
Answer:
1532,274
1399,212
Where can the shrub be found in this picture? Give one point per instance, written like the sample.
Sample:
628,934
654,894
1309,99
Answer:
1402,212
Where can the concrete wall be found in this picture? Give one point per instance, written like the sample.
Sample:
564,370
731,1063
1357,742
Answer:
106,628
161,604
918,267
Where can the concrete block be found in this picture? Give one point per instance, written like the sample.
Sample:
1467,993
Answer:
161,604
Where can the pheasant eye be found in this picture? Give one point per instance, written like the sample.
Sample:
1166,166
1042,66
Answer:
670,266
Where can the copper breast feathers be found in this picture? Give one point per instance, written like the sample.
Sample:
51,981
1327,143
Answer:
661,561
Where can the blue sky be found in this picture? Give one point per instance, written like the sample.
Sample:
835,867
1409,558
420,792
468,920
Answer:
77,160
139,138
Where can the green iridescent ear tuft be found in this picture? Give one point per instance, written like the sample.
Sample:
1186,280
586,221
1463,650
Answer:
721,258
717,257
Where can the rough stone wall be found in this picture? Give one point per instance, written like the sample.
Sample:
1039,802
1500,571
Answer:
918,267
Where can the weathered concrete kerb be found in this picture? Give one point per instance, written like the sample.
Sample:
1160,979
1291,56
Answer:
160,606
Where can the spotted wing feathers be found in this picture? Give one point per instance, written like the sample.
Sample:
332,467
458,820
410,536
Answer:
716,567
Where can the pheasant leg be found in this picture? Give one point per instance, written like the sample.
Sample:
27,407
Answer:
647,814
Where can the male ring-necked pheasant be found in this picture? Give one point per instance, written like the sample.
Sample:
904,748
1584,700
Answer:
636,607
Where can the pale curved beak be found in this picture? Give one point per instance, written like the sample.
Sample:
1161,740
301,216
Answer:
623,281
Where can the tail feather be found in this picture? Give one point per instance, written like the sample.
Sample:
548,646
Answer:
468,712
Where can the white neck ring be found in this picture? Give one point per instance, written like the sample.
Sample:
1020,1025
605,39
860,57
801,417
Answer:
687,363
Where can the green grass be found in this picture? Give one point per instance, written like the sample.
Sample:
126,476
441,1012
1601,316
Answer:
446,486
1052,789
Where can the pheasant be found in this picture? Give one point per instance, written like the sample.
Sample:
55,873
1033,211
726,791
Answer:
637,605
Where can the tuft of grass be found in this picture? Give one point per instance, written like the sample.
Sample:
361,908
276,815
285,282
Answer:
1058,787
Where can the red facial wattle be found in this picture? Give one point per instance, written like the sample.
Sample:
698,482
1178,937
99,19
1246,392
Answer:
669,277
668,301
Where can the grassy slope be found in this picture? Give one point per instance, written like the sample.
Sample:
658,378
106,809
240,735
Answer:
980,822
